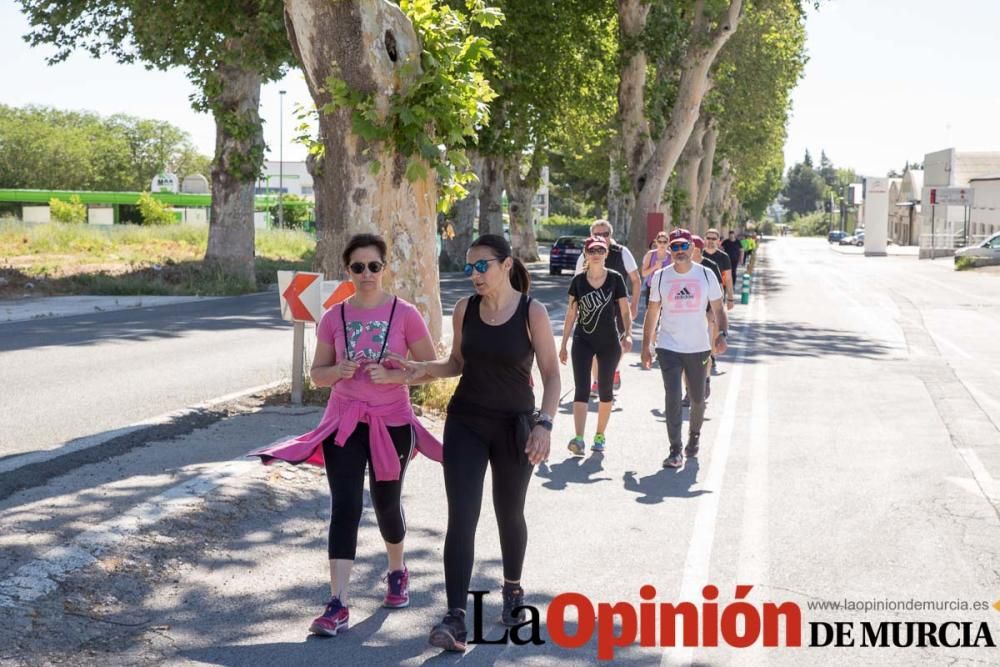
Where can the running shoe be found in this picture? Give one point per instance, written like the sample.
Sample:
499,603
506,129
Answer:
449,634
594,392
675,460
333,620
398,595
513,599
618,381
694,443
599,442
577,446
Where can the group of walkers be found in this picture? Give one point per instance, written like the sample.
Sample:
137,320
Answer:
373,345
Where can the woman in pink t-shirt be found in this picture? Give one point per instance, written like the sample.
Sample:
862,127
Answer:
368,422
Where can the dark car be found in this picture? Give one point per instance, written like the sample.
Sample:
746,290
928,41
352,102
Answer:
565,251
835,236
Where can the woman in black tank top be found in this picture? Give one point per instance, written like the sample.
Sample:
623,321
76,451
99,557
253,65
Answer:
498,333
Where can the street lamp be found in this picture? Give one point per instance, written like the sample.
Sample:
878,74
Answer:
281,158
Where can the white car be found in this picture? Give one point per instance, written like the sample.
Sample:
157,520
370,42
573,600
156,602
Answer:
988,248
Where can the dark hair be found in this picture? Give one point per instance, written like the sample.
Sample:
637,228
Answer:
364,241
520,279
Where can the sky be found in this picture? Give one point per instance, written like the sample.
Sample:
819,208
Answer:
887,81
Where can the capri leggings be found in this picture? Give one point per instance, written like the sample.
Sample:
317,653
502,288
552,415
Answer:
470,443
608,356
345,472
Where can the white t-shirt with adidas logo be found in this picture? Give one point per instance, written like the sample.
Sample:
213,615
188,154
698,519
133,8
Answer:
683,299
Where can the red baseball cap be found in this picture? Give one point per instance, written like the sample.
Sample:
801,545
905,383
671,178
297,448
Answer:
595,240
679,234
698,242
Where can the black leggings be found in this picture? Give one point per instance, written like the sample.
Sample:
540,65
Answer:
345,472
469,444
583,354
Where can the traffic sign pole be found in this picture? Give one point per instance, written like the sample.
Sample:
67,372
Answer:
298,356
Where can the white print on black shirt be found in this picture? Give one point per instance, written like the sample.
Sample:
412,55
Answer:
590,308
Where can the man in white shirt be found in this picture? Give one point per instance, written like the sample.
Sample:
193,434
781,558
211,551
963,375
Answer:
621,260
682,292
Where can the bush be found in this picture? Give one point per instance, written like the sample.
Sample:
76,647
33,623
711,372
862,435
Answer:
296,212
810,224
74,211
562,225
965,263
155,212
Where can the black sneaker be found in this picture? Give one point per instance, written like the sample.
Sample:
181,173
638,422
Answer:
675,460
513,599
694,443
449,634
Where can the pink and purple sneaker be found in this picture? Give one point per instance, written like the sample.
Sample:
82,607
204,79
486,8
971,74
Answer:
398,594
333,620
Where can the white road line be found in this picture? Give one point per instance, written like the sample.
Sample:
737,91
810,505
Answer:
699,555
80,444
42,575
990,488
947,342
754,557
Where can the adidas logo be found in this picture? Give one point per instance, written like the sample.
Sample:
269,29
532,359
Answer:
684,294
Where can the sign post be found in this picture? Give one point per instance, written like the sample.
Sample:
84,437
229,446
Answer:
299,294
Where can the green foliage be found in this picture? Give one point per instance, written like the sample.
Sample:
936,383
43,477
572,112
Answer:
51,149
755,75
965,263
562,225
72,212
438,114
155,212
297,211
813,224
208,39
803,190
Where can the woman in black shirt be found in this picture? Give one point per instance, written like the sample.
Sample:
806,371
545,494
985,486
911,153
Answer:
499,332
594,296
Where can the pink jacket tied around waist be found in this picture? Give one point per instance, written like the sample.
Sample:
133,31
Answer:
343,415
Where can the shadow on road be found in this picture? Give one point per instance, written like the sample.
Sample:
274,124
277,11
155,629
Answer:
667,483
574,470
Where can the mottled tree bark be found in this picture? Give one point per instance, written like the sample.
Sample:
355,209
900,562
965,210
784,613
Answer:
709,144
651,162
238,137
491,196
688,169
463,222
367,43
521,191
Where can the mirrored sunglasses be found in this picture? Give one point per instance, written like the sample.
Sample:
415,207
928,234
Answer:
358,268
683,245
482,266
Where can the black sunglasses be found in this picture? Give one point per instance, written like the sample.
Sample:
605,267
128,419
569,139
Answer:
606,235
359,267
482,266
596,250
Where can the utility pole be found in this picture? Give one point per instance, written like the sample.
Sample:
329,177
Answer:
281,158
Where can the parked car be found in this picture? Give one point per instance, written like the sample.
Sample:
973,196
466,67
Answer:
565,251
835,236
858,239
988,248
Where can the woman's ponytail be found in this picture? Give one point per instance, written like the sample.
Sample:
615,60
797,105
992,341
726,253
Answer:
520,279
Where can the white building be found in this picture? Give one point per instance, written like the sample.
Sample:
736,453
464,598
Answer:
943,227
291,178
984,220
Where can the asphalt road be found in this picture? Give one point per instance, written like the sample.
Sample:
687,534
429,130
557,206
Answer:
851,452
69,381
